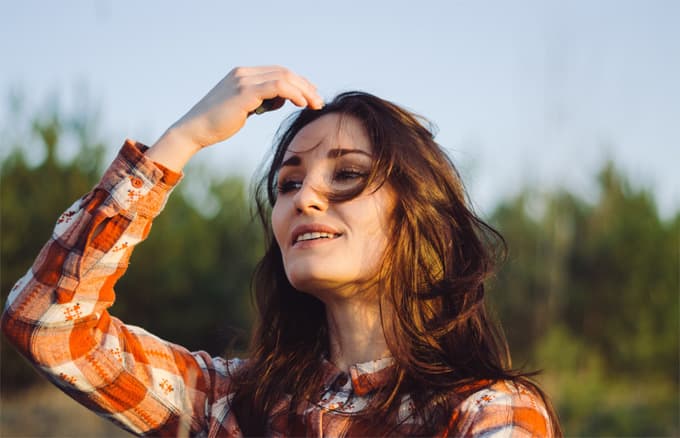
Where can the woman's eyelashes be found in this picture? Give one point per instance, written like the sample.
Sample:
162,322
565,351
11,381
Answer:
341,177
350,174
286,185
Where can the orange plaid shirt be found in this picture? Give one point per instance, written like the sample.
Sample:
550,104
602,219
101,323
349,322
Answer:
57,317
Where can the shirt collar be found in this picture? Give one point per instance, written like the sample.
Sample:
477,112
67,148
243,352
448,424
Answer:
365,376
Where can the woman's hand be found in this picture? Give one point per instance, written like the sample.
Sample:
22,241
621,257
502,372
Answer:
224,110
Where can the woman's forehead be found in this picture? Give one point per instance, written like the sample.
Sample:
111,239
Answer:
331,132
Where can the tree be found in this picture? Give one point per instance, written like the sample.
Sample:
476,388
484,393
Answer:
590,294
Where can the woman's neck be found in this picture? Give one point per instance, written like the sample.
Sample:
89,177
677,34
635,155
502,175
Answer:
355,332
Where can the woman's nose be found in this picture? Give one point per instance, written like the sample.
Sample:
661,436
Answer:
310,197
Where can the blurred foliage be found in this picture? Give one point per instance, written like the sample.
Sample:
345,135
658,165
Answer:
589,292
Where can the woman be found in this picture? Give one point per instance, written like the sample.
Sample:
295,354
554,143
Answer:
370,294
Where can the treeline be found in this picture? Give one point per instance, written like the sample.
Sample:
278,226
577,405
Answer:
589,291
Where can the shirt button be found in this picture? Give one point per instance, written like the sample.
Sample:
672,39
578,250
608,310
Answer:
340,381
136,182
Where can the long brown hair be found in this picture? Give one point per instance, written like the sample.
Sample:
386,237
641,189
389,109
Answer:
432,280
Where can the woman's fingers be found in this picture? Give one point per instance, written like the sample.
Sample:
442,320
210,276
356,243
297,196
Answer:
274,81
280,88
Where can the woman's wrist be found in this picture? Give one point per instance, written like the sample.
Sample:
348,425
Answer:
173,149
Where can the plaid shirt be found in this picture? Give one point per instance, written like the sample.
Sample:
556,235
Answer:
56,315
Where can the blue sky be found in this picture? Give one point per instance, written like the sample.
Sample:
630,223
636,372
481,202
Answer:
532,93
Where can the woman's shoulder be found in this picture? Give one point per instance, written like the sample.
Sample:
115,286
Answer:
507,408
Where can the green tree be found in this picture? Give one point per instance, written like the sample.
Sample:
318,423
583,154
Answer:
590,293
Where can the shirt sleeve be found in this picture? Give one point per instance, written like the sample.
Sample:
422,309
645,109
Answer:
57,317
503,410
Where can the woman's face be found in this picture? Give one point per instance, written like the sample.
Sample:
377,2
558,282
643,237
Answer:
330,249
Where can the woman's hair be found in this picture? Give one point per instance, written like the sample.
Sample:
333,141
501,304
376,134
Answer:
432,281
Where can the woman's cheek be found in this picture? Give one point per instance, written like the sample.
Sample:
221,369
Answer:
277,224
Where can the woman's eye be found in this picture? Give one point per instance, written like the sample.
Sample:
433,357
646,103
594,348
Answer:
288,186
350,174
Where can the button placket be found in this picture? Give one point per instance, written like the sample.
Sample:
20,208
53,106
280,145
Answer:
340,381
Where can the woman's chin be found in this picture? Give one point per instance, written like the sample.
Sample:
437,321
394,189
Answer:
312,284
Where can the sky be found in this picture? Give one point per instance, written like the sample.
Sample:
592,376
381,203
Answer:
524,93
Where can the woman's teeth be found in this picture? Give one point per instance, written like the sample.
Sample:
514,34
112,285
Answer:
312,236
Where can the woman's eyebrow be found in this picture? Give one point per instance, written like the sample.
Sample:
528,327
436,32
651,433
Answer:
295,160
292,161
339,152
